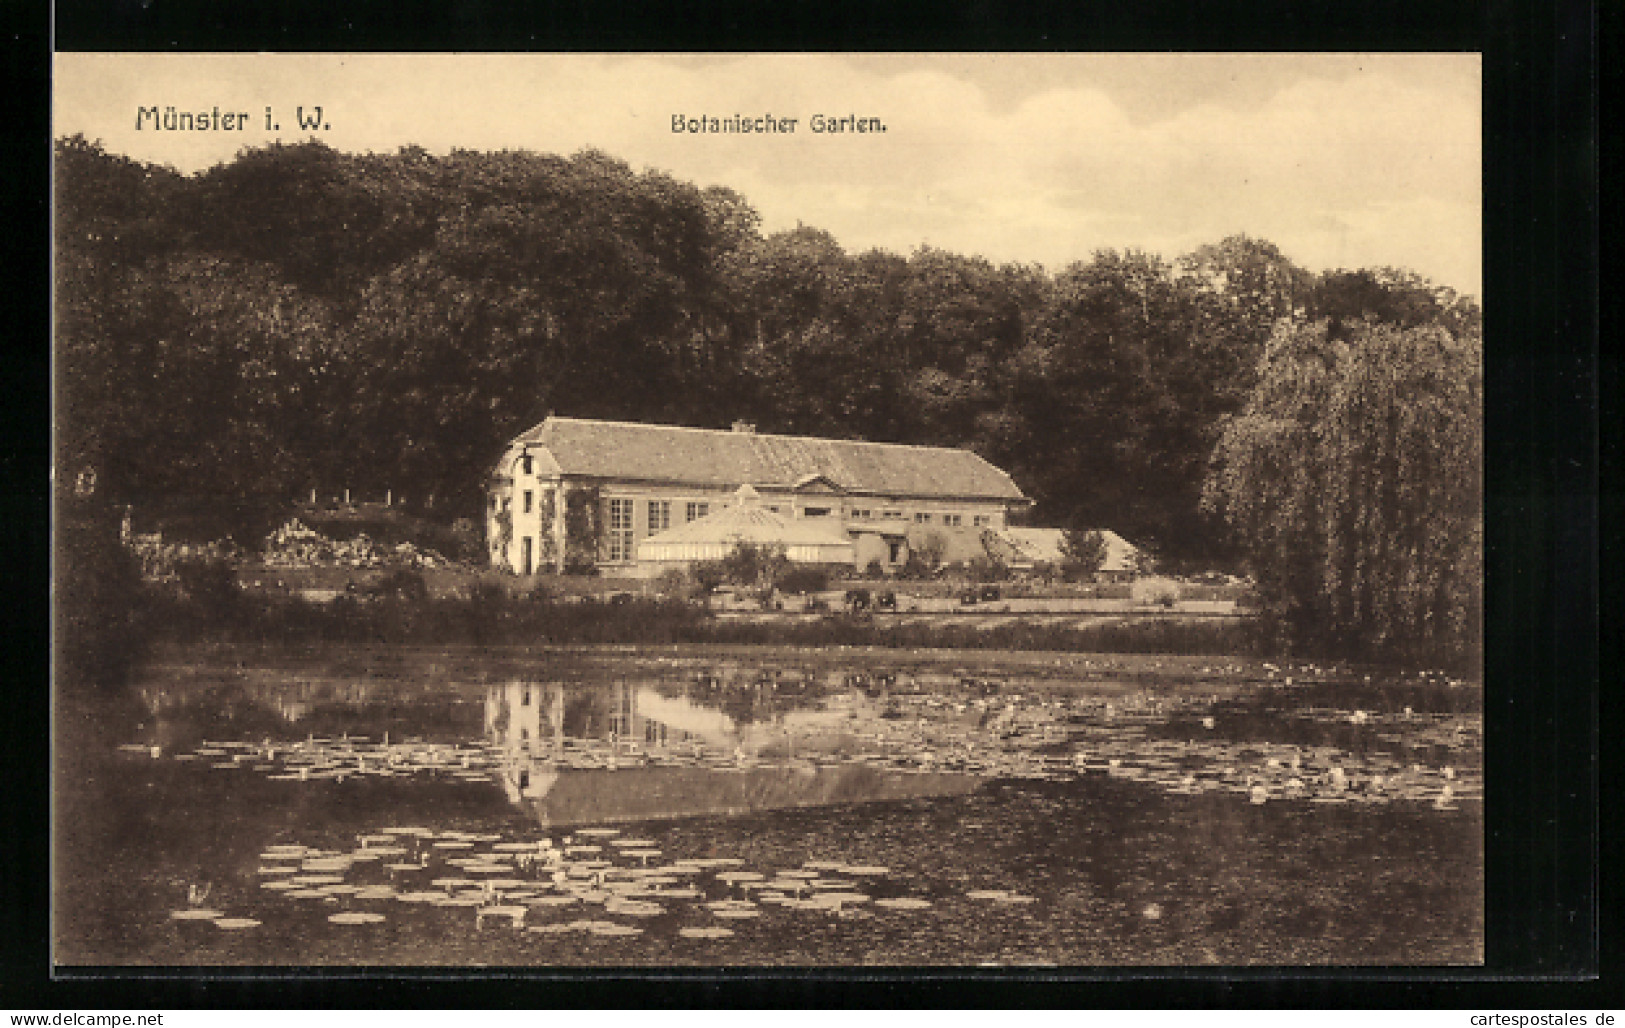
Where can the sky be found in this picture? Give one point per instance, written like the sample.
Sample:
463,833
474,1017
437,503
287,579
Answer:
1341,160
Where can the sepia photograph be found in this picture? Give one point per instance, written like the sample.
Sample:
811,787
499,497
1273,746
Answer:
767,510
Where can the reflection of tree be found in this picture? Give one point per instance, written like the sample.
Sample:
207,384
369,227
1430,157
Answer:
746,705
504,714
585,709
751,695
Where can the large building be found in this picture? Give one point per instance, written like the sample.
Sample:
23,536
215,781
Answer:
570,492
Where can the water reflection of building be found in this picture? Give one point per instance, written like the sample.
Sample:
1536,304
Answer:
542,729
550,718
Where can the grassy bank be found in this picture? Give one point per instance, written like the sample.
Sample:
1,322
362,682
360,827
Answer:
495,617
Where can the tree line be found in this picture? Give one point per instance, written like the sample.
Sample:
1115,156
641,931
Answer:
302,318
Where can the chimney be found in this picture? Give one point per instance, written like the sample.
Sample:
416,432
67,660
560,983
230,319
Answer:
745,427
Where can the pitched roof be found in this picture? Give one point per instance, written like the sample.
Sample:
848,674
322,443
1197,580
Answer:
710,457
744,520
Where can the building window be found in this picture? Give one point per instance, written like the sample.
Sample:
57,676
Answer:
524,462
620,529
815,512
892,515
697,510
659,516
922,518
774,509
952,520
524,698
529,501
507,501
862,513
980,520
493,502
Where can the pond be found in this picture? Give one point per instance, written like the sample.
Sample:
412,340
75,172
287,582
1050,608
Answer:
714,806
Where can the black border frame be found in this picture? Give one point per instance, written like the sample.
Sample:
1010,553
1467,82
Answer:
1550,396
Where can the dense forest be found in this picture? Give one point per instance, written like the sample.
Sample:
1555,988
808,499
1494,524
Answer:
301,318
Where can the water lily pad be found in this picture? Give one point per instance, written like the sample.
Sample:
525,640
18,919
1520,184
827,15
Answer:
355,917
419,896
327,864
617,930
634,908
196,914
513,913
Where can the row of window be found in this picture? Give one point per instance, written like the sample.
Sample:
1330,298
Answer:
660,512
621,527
920,517
621,530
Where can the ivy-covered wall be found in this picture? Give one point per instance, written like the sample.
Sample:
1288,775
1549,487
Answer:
582,529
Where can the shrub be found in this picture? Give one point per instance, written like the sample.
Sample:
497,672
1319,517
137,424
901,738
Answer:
804,579
1155,591
675,583
988,569
916,567
579,565
1082,554
708,576
103,615
755,566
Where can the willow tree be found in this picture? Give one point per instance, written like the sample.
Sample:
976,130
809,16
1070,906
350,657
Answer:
1352,480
